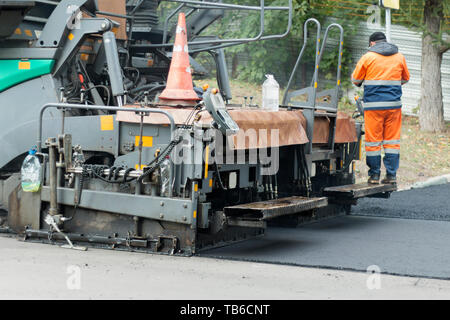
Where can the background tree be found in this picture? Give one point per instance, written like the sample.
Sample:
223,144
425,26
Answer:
431,114
430,17
278,56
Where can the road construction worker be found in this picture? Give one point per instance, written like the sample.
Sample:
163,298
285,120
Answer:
383,71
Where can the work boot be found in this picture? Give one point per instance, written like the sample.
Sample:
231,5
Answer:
374,179
389,180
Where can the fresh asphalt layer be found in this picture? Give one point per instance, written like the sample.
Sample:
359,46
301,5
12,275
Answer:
431,203
408,234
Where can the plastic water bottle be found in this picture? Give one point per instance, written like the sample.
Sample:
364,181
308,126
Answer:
165,177
31,172
271,94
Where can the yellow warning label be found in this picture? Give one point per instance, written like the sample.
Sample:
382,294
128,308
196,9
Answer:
107,123
71,36
206,161
146,141
195,214
18,31
24,65
392,4
28,33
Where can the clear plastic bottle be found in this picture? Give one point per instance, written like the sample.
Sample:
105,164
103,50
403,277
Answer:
31,172
271,94
164,170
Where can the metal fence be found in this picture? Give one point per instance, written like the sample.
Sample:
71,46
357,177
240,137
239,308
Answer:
410,45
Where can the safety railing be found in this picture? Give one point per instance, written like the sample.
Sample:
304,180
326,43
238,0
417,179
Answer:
330,97
223,43
102,108
142,111
332,103
311,90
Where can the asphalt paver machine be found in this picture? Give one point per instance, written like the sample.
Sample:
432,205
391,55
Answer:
133,156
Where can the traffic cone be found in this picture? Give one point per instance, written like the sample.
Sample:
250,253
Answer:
179,89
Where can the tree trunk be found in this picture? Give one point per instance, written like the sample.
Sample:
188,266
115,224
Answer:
431,114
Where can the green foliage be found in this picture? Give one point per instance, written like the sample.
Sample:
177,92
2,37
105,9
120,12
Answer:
263,55
411,16
278,56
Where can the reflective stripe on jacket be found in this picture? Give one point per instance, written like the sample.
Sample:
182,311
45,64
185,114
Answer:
383,71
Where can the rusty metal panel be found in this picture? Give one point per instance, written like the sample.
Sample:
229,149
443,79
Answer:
345,129
118,7
24,210
354,191
290,125
270,209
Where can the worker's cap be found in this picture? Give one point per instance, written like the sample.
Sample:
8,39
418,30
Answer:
377,36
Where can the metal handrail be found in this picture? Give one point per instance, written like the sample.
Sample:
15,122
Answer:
223,43
341,46
170,16
166,21
93,107
300,56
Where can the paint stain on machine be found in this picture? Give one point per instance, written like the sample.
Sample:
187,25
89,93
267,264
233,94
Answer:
147,141
107,123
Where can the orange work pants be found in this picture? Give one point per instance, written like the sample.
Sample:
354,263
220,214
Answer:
383,128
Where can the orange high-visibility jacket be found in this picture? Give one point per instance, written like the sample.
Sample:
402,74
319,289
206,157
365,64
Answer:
383,71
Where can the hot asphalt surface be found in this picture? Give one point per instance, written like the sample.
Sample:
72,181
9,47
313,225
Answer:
408,234
432,203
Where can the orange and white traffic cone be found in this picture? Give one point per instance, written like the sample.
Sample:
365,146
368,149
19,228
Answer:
179,89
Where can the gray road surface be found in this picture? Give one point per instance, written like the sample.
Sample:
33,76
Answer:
39,271
417,248
431,203
408,246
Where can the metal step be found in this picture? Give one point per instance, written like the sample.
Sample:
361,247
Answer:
361,190
266,210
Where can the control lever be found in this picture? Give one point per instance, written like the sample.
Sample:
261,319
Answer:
51,221
359,106
221,118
